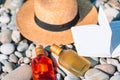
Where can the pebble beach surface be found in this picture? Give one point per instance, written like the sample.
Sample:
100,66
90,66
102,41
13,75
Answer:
16,51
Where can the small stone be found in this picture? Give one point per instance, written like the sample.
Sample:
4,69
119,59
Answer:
26,60
108,68
71,78
28,53
20,73
16,37
4,18
3,57
21,60
22,46
18,54
112,61
103,61
95,74
13,58
3,75
6,36
118,67
116,73
117,77
31,47
7,48
8,67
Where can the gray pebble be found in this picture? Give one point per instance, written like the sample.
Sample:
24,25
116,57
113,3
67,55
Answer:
117,77
13,58
6,36
22,46
7,48
95,74
108,68
20,73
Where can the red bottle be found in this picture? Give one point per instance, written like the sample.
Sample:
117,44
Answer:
42,66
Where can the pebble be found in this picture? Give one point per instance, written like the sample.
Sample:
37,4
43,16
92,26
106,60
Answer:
16,37
103,61
3,57
108,68
20,73
26,60
116,73
31,46
2,75
95,74
118,67
112,61
8,66
18,54
13,58
117,77
28,53
6,36
7,48
4,18
22,46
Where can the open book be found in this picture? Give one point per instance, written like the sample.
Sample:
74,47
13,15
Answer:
101,40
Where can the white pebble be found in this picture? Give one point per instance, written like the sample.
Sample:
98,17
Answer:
13,58
22,46
28,53
6,36
112,61
31,47
4,19
18,54
16,36
7,66
26,60
7,48
3,57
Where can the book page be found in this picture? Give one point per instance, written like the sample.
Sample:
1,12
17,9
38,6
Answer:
93,40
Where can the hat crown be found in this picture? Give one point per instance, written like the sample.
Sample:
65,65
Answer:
55,11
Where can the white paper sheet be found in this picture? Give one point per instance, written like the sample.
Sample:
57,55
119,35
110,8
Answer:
94,40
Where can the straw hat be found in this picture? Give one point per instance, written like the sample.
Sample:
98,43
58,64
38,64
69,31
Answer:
49,21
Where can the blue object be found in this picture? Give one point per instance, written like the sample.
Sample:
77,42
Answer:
115,40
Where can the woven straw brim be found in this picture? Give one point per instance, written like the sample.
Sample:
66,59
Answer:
30,30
